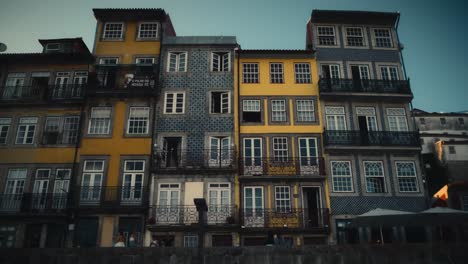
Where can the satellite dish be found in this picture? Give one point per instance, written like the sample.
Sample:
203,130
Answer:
3,47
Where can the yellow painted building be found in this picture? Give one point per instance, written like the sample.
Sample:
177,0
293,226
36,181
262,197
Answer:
41,100
115,153
282,185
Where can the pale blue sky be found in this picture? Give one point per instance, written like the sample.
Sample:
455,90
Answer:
434,32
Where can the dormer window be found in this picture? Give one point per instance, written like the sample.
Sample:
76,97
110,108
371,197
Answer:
109,61
113,31
148,30
52,47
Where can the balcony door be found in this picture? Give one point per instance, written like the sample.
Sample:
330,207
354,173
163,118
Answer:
91,182
360,75
168,209
79,81
132,187
367,122
308,156
14,86
61,82
61,188
41,185
313,215
172,152
253,156
14,188
254,215
220,155
219,200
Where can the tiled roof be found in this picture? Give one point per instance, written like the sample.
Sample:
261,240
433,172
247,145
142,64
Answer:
202,40
129,14
354,17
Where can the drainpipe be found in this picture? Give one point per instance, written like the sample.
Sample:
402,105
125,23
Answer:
238,132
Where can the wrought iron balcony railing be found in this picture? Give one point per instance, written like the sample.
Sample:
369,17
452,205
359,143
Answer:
303,166
34,203
328,85
299,218
186,215
112,196
43,93
371,138
57,138
204,159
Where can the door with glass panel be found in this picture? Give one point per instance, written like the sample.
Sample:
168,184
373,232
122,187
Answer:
219,199
14,86
41,185
61,188
14,187
390,76
360,75
91,182
79,83
253,164
254,215
219,152
308,156
132,188
61,82
168,208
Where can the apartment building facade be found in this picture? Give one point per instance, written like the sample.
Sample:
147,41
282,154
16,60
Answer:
370,140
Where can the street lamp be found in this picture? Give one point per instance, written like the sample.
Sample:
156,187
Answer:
200,203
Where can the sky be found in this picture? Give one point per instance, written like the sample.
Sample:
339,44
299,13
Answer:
434,32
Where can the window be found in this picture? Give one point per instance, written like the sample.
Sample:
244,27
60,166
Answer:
282,199
148,30
251,111
220,103
307,152
302,72
191,241
132,188
174,103
335,118
168,203
354,37
422,121
250,73
99,123
220,151
276,73
341,176
26,130
51,131
252,152
280,149
369,114
109,61
14,85
219,203
389,73
305,111
4,128
70,129
80,79
220,61
177,62
331,71
138,120
326,36
52,47
461,121
40,189
91,180
16,180
397,119
61,187
443,121
375,180
144,61
113,31
452,150
278,111
406,174
383,38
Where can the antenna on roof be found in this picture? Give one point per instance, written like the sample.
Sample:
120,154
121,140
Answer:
3,47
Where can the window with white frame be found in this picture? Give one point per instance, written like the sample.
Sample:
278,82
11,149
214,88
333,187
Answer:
52,47
308,151
305,111
174,103
278,111
132,182
335,117
138,120
219,195
220,61
177,62
61,130
250,73
282,199
109,61
100,121
326,35
14,185
113,30
251,111
397,119
331,71
26,130
389,73
354,37
4,128
302,72
220,103
280,148
375,179
276,73
191,241
342,177
148,30
80,78
168,195
14,85
406,175
369,114
70,129
383,38
91,180
144,61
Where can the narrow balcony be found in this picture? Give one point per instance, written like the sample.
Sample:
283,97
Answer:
112,198
314,219
204,160
124,80
370,87
371,138
304,166
34,203
42,94
168,215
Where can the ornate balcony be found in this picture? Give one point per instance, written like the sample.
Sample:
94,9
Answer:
194,161
112,197
371,138
34,203
167,215
291,218
306,166
42,94
347,87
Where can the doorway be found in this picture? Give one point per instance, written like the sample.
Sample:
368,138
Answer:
172,151
312,207
40,87
363,130
87,232
33,236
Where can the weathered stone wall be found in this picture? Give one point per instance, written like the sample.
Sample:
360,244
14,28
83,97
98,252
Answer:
375,254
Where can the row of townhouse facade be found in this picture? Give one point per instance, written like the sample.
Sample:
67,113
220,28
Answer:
123,139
